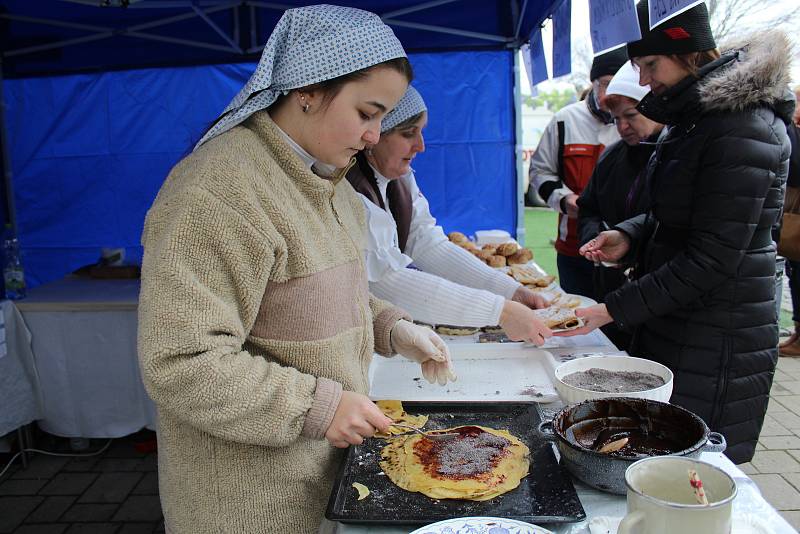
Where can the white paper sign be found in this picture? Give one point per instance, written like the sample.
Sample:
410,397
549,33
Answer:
661,10
612,23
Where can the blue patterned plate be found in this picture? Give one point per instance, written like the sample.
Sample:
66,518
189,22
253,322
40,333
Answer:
481,525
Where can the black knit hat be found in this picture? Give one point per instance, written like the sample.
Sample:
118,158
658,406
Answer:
608,63
682,34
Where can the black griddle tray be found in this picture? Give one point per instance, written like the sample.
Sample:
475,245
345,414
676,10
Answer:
546,495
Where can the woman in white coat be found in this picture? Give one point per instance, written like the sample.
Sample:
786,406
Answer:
410,262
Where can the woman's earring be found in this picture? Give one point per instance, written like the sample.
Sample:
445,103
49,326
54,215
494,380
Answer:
305,108
369,151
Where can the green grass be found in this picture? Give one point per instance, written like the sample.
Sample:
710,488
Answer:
540,229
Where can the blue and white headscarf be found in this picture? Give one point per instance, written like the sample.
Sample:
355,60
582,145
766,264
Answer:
310,45
411,104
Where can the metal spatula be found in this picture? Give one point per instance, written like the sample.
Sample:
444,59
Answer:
444,436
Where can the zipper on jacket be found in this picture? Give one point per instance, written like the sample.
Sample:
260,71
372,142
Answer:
361,271
722,388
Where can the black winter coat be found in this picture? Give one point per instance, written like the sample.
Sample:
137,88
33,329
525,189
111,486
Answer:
703,299
614,193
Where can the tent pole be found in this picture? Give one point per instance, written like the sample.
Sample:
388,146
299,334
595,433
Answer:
10,210
414,9
518,151
449,31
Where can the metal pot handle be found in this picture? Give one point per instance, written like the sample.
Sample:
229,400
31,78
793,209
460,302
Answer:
546,430
716,443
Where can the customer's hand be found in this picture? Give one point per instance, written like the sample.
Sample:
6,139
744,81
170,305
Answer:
529,298
571,205
521,324
425,347
356,418
593,317
611,246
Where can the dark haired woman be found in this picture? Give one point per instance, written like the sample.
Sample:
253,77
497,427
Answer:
256,328
702,301
449,285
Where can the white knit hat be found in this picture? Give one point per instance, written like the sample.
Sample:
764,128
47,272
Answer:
626,83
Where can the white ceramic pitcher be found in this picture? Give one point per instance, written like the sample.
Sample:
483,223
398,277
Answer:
661,501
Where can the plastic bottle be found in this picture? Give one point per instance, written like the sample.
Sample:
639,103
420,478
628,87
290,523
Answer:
13,274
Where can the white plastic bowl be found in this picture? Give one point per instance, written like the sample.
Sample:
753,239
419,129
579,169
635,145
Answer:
571,394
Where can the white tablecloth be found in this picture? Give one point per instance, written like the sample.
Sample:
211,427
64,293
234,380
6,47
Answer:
19,386
84,344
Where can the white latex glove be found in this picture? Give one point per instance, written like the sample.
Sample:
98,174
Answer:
424,346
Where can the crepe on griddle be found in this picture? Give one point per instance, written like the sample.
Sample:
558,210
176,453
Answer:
477,465
393,409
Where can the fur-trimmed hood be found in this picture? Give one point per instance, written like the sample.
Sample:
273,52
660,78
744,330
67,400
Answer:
759,75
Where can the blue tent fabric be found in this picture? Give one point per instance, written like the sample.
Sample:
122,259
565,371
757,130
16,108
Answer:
89,152
511,20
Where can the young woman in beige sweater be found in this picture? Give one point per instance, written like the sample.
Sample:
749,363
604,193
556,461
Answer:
256,326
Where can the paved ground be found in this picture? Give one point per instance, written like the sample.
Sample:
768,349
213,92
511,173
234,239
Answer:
113,493
776,465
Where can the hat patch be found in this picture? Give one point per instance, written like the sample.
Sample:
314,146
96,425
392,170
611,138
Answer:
677,33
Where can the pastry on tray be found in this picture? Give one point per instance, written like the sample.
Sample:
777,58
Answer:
496,261
507,249
558,318
521,256
484,255
457,237
529,276
451,330
393,409
477,464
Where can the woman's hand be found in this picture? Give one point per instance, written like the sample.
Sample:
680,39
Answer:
521,324
425,347
593,317
610,246
356,418
529,298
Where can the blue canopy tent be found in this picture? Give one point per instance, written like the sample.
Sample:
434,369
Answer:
104,96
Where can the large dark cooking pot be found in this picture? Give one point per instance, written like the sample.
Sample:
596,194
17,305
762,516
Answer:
653,429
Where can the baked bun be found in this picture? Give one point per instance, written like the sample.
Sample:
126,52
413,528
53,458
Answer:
507,249
523,255
469,245
484,255
497,261
457,237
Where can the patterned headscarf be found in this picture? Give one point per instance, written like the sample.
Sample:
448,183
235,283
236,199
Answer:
310,45
411,104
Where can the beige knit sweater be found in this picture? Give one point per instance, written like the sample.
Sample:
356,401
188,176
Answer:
254,313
